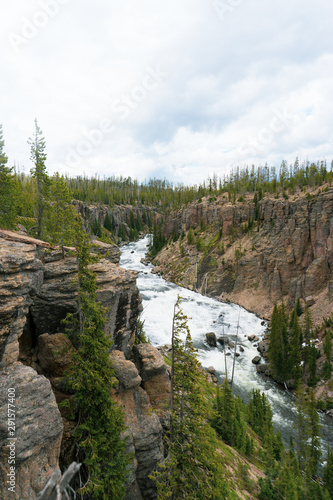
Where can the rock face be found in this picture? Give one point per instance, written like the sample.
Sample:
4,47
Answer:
38,432
120,215
290,256
154,373
21,276
54,353
144,426
37,290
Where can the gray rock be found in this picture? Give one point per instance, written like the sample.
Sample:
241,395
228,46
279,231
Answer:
309,301
262,368
211,339
126,371
256,360
38,431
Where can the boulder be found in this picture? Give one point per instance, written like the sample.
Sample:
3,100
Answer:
309,301
154,374
126,371
211,339
256,360
263,347
251,337
262,368
54,353
38,431
211,370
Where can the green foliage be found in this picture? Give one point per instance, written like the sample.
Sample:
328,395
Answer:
200,245
140,334
58,227
307,429
298,307
91,377
108,222
8,193
190,237
228,420
38,157
159,240
328,473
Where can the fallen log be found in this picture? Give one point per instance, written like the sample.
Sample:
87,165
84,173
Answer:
11,236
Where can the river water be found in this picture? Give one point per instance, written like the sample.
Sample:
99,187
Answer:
209,315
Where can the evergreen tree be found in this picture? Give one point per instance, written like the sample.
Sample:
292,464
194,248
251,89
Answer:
8,196
327,345
224,417
192,469
307,431
108,222
59,214
295,347
91,377
328,473
38,157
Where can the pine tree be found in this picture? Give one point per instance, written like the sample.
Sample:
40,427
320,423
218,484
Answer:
108,222
91,377
307,431
59,214
295,347
8,195
38,157
192,469
327,345
224,417
328,473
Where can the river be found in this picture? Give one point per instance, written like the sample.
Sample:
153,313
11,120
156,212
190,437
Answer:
210,315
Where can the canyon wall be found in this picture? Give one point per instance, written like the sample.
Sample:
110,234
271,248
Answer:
286,254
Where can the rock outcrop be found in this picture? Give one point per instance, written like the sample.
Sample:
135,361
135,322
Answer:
288,254
154,374
37,290
38,432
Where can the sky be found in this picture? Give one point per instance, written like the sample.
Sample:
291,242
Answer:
178,90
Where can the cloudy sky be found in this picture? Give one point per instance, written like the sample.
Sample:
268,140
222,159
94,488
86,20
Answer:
177,90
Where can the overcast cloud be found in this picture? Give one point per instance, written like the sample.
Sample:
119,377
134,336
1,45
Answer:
176,89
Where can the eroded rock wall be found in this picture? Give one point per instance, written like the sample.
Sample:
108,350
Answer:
288,253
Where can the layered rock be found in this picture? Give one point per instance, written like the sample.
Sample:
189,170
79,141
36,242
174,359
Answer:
289,255
154,374
38,432
37,289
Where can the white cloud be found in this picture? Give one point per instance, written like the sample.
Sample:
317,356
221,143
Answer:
227,82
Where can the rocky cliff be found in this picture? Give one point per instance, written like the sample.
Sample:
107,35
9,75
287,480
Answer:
255,254
37,289
119,215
